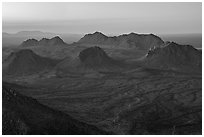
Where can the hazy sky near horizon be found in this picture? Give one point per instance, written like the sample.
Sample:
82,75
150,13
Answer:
109,18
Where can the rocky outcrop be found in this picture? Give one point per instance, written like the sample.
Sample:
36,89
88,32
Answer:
173,56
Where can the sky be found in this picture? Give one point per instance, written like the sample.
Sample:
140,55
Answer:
109,18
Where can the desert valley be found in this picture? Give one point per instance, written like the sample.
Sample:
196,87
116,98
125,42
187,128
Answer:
127,84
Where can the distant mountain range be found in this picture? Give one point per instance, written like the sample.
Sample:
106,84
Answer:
132,40
55,41
30,33
127,41
123,41
167,56
16,39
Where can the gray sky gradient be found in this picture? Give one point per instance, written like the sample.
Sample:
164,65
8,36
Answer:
109,18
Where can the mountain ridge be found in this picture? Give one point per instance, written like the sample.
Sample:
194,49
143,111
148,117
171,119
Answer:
55,41
131,40
175,57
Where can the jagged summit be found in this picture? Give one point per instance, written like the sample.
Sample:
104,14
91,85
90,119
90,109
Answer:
94,38
44,39
55,41
132,40
30,42
172,48
174,56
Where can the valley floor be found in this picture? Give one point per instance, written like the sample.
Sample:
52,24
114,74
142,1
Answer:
143,101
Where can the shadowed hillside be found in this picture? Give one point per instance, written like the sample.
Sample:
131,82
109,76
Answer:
26,62
24,115
89,60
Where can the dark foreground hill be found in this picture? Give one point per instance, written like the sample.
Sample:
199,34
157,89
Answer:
173,56
88,60
132,40
55,41
24,115
25,62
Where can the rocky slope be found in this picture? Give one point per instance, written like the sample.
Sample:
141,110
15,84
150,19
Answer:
24,115
173,56
132,40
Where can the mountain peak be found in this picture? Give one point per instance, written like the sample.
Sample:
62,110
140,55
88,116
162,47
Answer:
23,54
98,33
174,57
25,62
92,52
57,37
96,58
29,42
57,40
92,59
132,33
171,48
